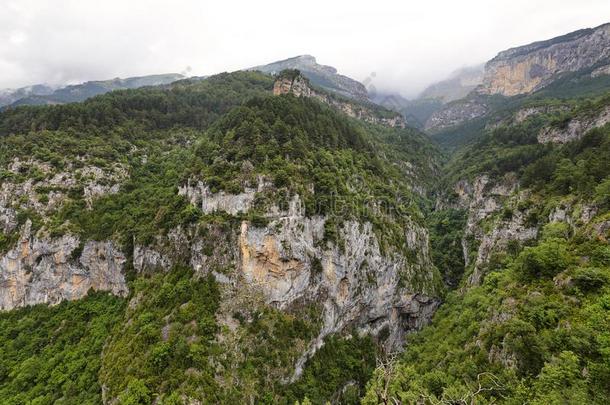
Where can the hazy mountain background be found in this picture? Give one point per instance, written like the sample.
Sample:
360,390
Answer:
395,47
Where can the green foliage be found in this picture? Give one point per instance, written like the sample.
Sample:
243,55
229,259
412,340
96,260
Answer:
528,334
52,354
590,279
162,345
290,74
602,193
556,230
545,260
270,341
576,167
136,394
536,330
229,132
339,362
186,103
561,381
357,171
446,232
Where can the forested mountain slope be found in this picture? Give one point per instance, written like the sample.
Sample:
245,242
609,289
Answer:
261,248
524,213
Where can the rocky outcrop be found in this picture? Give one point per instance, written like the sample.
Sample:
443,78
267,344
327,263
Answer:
289,262
300,87
574,129
43,269
49,270
200,196
454,114
357,285
483,201
297,85
528,68
322,76
601,71
498,216
50,187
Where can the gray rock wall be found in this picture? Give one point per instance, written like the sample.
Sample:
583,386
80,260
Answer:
43,270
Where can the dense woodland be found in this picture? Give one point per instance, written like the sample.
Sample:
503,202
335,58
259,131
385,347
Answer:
536,330
230,132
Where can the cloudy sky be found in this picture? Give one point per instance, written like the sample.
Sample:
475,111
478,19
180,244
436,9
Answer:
408,44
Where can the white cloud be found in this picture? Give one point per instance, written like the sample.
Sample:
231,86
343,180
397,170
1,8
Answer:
408,44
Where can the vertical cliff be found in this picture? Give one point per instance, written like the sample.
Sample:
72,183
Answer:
290,263
528,68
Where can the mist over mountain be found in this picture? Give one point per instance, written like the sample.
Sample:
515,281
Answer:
406,46
456,86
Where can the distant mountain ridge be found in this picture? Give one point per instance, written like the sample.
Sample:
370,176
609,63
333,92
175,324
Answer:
46,95
456,86
9,96
293,82
322,76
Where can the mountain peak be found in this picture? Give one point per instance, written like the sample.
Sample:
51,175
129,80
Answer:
322,76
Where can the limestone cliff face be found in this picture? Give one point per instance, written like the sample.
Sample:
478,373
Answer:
498,215
575,128
289,263
487,231
200,196
299,86
43,270
358,286
528,68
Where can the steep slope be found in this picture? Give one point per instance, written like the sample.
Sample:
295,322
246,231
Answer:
322,76
528,68
251,238
567,66
527,215
246,232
